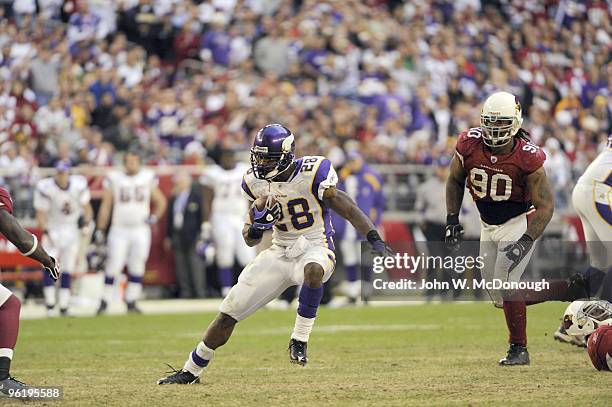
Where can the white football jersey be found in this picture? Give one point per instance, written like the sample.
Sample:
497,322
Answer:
62,206
228,198
131,196
598,179
600,170
303,211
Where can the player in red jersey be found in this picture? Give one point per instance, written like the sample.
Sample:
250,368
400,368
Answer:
506,178
10,306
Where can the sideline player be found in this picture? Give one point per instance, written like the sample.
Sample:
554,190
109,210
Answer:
62,208
128,193
10,305
364,185
592,199
299,195
505,176
224,220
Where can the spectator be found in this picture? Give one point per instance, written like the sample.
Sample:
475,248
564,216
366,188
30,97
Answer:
182,230
45,69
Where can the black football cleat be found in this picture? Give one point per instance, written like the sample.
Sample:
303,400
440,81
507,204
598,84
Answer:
179,377
297,352
133,309
517,356
64,312
102,308
10,385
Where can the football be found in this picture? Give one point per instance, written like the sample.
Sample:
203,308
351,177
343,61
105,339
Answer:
260,203
600,348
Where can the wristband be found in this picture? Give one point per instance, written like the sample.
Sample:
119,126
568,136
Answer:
373,236
34,246
254,233
452,219
526,238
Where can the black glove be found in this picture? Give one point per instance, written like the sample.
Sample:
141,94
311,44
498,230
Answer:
517,251
82,222
53,269
453,234
379,245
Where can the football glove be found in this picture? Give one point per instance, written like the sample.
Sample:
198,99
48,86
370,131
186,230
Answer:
378,245
517,251
53,269
82,222
453,233
151,220
266,218
205,239
99,238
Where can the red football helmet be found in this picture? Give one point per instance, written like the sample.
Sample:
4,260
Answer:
600,348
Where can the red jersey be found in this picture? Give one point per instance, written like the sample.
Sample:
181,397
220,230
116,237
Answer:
498,184
6,202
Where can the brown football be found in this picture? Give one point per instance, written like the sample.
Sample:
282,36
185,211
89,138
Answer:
260,204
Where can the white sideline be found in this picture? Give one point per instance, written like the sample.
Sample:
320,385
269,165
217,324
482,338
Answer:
33,310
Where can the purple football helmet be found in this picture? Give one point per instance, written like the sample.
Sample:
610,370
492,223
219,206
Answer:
273,151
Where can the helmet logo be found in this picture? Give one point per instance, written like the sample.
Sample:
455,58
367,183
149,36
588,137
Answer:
260,149
287,143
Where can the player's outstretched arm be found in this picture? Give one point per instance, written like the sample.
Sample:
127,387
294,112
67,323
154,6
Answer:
455,187
344,206
543,199
24,240
104,212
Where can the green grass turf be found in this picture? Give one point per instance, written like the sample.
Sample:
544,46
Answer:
442,354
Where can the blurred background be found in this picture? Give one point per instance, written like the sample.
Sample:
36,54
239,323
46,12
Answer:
387,84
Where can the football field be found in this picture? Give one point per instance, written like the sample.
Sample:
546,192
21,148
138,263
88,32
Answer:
439,354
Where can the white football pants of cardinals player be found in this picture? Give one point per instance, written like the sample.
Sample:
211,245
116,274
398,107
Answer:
269,274
63,245
597,231
127,246
229,243
493,239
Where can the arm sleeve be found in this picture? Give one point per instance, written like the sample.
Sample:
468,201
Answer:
533,159
246,191
325,178
6,202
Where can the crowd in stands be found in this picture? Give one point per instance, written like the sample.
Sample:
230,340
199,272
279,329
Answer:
397,80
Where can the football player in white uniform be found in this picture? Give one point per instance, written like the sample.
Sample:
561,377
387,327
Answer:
592,199
295,198
129,193
62,209
224,221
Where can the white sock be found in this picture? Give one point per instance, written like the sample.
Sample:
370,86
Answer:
353,288
203,355
6,353
49,294
303,327
64,298
133,292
